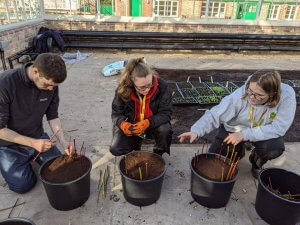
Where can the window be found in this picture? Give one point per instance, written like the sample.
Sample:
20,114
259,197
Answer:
166,8
274,12
290,12
19,10
216,10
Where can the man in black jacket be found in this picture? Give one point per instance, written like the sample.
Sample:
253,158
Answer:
142,107
26,95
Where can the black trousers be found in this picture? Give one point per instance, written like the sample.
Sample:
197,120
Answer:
122,144
262,152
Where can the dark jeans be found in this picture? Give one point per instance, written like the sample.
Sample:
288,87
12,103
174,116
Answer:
16,168
122,144
262,152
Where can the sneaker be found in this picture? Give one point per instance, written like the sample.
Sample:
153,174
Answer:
255,172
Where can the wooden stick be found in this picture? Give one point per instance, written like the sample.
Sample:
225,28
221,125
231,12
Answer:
222,178
140,172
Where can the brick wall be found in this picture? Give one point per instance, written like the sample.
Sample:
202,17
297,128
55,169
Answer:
190,9
147,7
19,38
172,27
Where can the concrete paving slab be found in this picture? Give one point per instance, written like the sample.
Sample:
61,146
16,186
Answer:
85,110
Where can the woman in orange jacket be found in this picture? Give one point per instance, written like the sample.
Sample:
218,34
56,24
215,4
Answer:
142,108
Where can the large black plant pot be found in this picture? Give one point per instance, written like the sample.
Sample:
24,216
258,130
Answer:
142,192
68,195
273,208
16,221
210,193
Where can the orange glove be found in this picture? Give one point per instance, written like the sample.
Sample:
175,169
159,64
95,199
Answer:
126,127
140,127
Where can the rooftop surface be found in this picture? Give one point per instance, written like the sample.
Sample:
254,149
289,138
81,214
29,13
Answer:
85,109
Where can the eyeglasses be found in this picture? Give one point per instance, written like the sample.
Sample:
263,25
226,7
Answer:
143,88
255,95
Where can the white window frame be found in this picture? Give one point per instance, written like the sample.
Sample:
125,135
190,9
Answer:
165,8
289,14
272,10
18,11
212,6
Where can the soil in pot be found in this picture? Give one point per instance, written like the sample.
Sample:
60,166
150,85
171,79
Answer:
212,167
66,168
142,166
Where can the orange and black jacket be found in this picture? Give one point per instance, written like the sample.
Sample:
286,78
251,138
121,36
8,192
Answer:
160,105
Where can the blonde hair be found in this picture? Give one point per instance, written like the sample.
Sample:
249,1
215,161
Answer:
270,82
134,68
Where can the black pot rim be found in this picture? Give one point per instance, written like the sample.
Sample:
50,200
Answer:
213,181
270,192
66,183
144,181
17,219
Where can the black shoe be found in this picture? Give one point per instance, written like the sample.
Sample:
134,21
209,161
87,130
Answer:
255,172
159,152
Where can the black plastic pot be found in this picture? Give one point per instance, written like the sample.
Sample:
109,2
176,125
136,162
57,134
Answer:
273,208
69,195
209,193
142,192
16,221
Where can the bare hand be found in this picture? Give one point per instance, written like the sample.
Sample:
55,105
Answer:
42,145
190,135
234,138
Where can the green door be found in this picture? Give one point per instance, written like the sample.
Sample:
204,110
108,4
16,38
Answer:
136,8
246,11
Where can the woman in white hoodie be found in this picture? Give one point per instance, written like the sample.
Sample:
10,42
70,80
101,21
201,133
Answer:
258,113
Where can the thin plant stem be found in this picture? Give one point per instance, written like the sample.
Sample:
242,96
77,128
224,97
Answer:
15,205
140,172
74,146
99,186
232,154
226,153
81,149
234,157
228,174
12,208
53,136
234,168
146,169
270,183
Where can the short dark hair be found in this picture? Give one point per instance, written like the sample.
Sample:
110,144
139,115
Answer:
51,66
